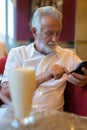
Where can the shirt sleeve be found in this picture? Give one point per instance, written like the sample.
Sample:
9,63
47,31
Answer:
13,61
75,60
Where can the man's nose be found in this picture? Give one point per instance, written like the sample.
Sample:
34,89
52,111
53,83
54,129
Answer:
55,37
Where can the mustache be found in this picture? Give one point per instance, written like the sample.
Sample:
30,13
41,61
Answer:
53,44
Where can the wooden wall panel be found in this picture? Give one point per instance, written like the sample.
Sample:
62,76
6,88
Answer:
81,20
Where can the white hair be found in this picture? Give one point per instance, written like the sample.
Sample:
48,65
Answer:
45,11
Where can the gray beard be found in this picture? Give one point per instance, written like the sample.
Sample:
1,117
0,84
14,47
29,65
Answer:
51,47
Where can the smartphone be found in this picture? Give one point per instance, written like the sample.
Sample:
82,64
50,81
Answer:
79,67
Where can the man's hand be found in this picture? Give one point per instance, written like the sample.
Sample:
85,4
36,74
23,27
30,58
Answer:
56,71
78,79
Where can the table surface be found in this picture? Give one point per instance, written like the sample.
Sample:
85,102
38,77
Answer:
46,120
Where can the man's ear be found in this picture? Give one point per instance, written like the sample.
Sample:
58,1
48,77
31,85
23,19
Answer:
34,32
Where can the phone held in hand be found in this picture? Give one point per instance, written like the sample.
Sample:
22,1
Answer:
79,68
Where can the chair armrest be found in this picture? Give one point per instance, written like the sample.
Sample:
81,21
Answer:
75,99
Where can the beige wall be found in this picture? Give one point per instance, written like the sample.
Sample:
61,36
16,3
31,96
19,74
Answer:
81,49
81,29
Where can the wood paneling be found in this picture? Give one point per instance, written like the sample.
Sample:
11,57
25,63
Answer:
81,20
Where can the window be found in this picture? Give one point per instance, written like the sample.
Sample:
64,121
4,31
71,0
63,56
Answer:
7,23
2,20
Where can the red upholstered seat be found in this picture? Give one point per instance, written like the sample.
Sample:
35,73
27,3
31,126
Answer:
76,99
2,64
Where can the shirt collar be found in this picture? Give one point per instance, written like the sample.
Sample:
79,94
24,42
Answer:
33,51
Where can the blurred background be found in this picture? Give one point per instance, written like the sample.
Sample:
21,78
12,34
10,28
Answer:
15,17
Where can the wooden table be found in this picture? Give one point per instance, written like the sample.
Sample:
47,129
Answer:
47,120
